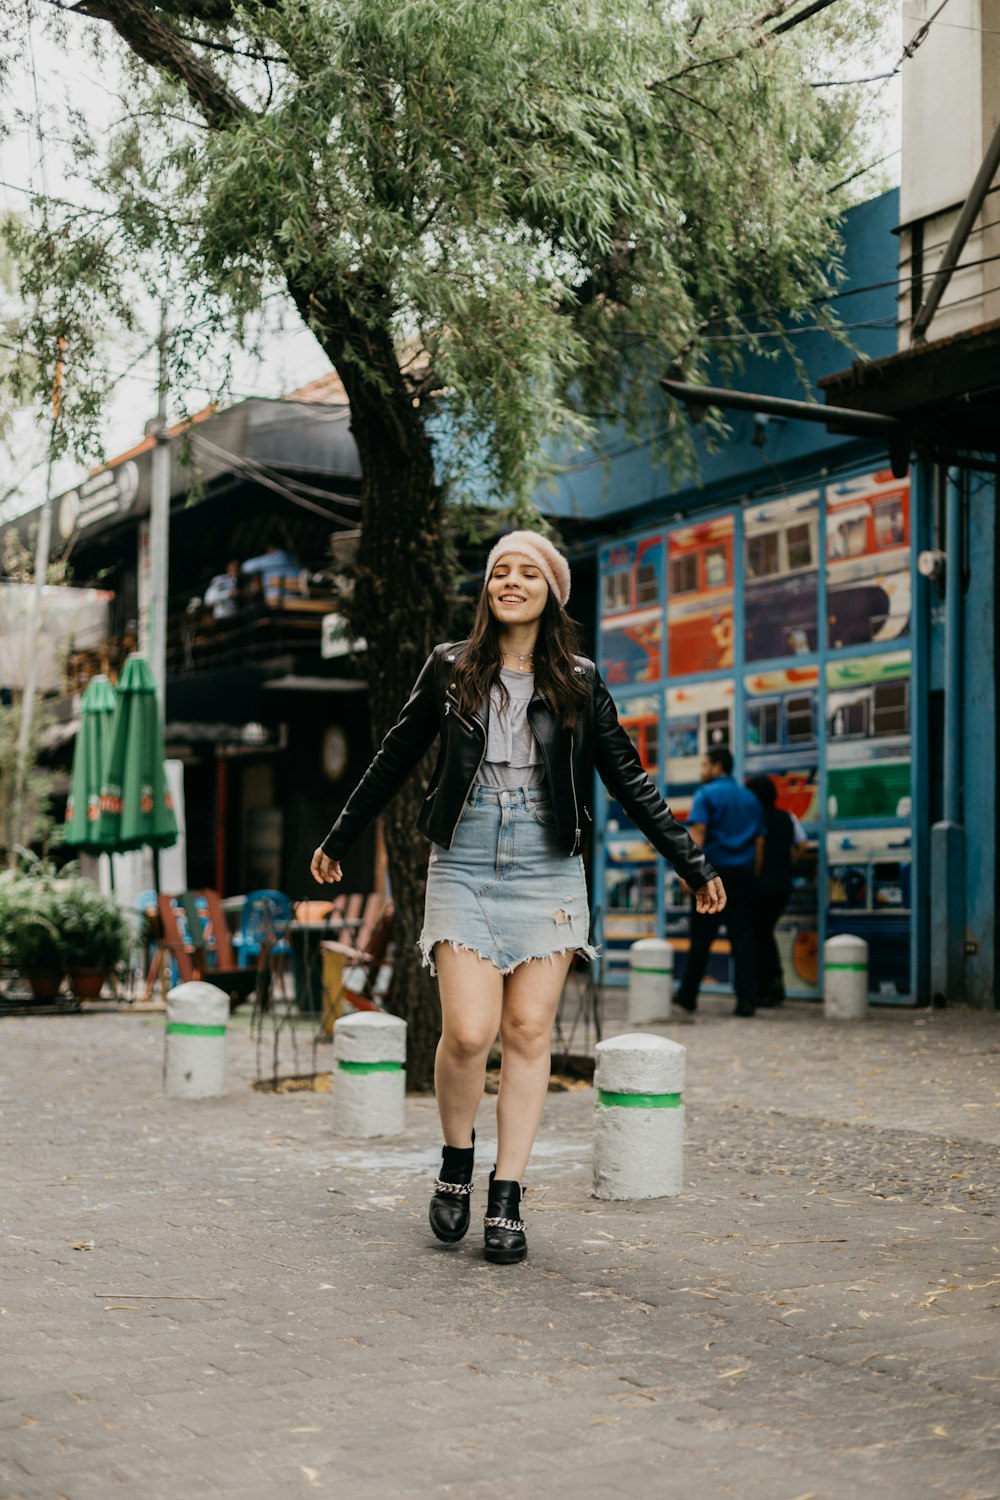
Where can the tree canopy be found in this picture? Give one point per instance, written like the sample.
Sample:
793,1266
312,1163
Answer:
533,207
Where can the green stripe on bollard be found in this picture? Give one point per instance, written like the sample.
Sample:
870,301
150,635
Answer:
371,1067
187,1028
857,968
638,1101
637,970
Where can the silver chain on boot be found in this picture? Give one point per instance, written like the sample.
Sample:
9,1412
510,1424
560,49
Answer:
460,1189
516,1226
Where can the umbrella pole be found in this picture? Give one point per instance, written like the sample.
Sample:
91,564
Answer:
156,871
111,872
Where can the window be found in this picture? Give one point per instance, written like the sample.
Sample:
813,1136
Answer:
615,592
716,567
647,584
632,891
684,574
682,738
800,546
800,726
762,555
717,728
847,539
890,710
651,759
890,527
850,720
763,724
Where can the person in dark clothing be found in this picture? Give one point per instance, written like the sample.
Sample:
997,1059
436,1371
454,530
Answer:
727,822
783,838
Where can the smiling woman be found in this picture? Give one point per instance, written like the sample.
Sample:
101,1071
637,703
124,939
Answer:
523,719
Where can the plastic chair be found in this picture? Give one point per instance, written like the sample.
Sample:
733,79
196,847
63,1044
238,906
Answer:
265,914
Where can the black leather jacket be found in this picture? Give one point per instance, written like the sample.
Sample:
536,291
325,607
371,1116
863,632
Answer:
570,757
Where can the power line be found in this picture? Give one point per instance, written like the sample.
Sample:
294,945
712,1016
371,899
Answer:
249,470
803,15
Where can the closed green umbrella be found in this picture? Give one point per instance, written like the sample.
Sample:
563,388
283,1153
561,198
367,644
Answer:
90,754
136,807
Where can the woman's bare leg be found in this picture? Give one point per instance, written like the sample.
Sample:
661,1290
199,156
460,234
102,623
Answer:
530,1001
471,991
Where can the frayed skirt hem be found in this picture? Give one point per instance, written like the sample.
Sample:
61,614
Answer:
427,946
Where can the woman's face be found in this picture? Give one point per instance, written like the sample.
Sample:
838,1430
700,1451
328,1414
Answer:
516,590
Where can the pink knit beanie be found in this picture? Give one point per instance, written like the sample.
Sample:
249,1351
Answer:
553,566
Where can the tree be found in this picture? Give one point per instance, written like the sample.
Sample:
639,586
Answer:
502,219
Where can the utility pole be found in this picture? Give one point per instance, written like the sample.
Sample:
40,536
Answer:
43,543
159,526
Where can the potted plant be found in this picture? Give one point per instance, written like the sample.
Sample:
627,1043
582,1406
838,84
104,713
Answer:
30,939
93,935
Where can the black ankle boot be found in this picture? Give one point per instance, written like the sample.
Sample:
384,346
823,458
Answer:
503,1225
449,1210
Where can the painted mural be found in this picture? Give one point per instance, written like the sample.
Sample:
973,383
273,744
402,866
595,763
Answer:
632,592
700,597
781,735
868,895
700,717
630,867
781,577
868,560
817,624
868,736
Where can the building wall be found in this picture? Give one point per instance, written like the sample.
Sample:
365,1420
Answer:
620,476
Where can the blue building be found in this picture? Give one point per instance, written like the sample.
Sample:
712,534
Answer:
776,607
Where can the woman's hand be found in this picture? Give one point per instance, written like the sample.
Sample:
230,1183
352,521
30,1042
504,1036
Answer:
711,896
325,870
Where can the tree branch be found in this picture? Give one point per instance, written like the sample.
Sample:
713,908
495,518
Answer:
164,50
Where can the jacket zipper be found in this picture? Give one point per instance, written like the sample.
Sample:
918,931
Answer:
450,708
572,781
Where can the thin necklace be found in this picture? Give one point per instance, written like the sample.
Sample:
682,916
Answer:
528,655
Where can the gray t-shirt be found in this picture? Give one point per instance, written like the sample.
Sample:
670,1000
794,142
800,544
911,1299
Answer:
512,754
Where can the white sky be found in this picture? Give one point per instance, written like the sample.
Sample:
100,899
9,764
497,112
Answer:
291,355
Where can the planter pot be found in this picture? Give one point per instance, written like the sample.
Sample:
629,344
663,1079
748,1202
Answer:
44,983
87,984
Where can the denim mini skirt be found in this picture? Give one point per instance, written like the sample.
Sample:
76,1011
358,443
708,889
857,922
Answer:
505,890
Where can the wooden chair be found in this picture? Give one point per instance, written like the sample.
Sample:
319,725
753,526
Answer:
360,964
205,950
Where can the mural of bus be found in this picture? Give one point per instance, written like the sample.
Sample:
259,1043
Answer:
700,597
699,718
868,736
631,637
781,552
782,736
640,718
630,886
868,560
869,896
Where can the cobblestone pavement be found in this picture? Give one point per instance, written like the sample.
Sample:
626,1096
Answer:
220,1298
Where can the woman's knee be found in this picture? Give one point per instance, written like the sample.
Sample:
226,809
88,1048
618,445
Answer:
464,1043
525,1034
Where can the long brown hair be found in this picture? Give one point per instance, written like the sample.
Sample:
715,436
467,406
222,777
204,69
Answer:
478,668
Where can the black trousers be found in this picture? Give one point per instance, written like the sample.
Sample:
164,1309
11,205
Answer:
767,908
738,917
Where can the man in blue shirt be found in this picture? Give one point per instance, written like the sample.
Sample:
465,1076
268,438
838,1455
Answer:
275,568
727,821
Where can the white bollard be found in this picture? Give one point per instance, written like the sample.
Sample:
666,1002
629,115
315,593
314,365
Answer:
639,1127
845,978
194,1058
650,981
369,1075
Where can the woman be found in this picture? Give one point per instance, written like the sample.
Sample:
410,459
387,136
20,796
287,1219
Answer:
522,721
784,839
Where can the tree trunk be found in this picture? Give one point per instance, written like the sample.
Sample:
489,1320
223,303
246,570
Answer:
402,606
